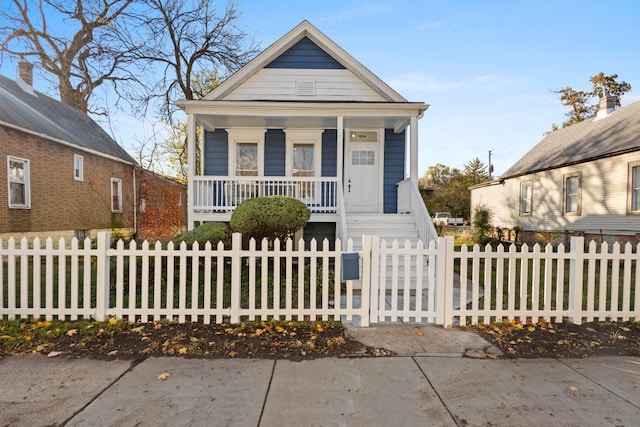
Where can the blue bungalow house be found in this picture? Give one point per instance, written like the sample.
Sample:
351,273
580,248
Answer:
305,119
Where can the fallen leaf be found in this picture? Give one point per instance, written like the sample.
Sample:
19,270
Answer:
279,329
419,334
232,353
182,350
72,332
54,354
573,389
157,325
112,353
138,329
164,376
113,321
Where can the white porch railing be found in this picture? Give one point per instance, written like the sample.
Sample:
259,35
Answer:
410,200
224,194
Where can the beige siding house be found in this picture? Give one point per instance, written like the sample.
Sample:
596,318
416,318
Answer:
580,180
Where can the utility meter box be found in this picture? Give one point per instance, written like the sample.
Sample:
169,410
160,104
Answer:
350,266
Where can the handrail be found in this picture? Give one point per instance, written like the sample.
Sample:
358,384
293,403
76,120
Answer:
341,225
408,191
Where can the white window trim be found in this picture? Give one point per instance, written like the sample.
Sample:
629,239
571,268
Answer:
631,189
523,184
566,178
119,182
27,183
306,136
251,136
79,160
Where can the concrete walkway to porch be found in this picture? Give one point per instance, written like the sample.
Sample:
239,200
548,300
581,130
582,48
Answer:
428,382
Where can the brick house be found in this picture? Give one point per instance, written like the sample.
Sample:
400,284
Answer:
64,175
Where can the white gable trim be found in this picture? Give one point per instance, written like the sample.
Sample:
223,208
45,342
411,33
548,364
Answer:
304,29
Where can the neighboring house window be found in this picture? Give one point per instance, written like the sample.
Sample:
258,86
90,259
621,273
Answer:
116,195
18,178
78,167
572,194
634,187
526,189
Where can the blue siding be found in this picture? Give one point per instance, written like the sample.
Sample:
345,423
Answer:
329,152
216,153
305,55
274,153
394,158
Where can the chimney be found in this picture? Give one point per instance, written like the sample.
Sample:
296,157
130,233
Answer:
25,71
607,105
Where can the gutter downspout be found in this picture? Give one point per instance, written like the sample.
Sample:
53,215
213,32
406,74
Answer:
135,202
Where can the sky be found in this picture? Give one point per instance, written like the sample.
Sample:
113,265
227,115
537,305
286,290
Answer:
485,68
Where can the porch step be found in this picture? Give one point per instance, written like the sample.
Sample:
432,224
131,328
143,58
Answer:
387,226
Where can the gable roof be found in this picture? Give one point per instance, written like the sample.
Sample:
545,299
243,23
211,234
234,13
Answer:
41,115
617,133
280,48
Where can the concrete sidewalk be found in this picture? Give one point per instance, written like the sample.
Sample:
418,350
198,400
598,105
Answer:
430,383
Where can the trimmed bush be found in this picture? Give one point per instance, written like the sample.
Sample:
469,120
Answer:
208,232
273,217
482,223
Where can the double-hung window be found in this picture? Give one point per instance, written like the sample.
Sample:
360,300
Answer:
526,190
303,159
572,194
116,195
78,167
634,188
18,179
246,159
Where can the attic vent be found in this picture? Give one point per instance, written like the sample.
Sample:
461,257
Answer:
305,87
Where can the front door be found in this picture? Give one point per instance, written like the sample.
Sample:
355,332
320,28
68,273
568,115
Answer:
362,173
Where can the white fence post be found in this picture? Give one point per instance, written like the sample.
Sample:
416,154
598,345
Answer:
444,282
365,292
102,276
576,273
374,287
236,277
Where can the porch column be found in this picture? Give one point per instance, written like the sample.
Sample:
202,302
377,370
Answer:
413,150
339,157
191,169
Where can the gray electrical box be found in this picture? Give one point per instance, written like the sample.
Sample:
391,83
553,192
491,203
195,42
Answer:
350,266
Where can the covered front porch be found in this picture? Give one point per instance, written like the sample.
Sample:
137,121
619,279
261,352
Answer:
340,137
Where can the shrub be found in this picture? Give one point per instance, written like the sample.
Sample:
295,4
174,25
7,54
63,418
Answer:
273,217
208,232
482,217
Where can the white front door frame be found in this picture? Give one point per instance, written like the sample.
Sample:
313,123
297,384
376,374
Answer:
375,186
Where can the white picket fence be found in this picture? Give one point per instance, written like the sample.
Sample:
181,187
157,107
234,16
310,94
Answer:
398,282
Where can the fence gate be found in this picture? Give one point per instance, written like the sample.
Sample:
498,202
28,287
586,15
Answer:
404,280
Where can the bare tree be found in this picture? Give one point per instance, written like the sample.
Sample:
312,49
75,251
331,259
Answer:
181,39
72,41
580,102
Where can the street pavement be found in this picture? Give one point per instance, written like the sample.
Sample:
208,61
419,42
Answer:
439,377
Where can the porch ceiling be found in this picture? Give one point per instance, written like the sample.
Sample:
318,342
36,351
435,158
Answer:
210,122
